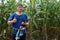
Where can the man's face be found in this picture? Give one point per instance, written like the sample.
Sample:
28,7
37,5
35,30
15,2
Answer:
20,8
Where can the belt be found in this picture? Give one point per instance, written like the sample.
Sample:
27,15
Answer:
19,29
15,28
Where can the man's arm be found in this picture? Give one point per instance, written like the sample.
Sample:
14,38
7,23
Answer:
25,23
9,22
12,21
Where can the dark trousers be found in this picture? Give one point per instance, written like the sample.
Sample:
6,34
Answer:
21,37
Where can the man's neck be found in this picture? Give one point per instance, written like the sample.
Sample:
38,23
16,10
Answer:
19,13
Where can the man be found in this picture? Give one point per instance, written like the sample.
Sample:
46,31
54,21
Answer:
16,20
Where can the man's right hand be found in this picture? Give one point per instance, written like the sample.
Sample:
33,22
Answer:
14,20
11,22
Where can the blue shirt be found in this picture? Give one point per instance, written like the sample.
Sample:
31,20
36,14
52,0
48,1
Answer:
20,19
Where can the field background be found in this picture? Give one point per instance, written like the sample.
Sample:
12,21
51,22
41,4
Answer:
44,18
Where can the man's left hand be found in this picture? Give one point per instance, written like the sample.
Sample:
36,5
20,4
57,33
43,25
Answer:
25,23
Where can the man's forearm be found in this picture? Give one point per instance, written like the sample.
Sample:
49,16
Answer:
26,23
10,22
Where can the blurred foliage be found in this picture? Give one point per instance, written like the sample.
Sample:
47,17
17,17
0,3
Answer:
44,19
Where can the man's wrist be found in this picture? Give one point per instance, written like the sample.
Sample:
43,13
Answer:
26,24
12,21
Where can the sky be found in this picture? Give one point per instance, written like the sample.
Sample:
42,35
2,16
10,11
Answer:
17,1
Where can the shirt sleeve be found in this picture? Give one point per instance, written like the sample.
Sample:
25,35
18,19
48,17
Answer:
26,18
11,17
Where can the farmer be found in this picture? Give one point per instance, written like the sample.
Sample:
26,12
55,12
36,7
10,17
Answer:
18,20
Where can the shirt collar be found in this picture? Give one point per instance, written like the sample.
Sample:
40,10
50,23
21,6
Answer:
18,13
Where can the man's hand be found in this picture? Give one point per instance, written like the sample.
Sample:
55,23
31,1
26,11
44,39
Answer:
12,21
25,23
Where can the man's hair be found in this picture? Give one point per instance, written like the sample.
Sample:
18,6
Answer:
19,5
